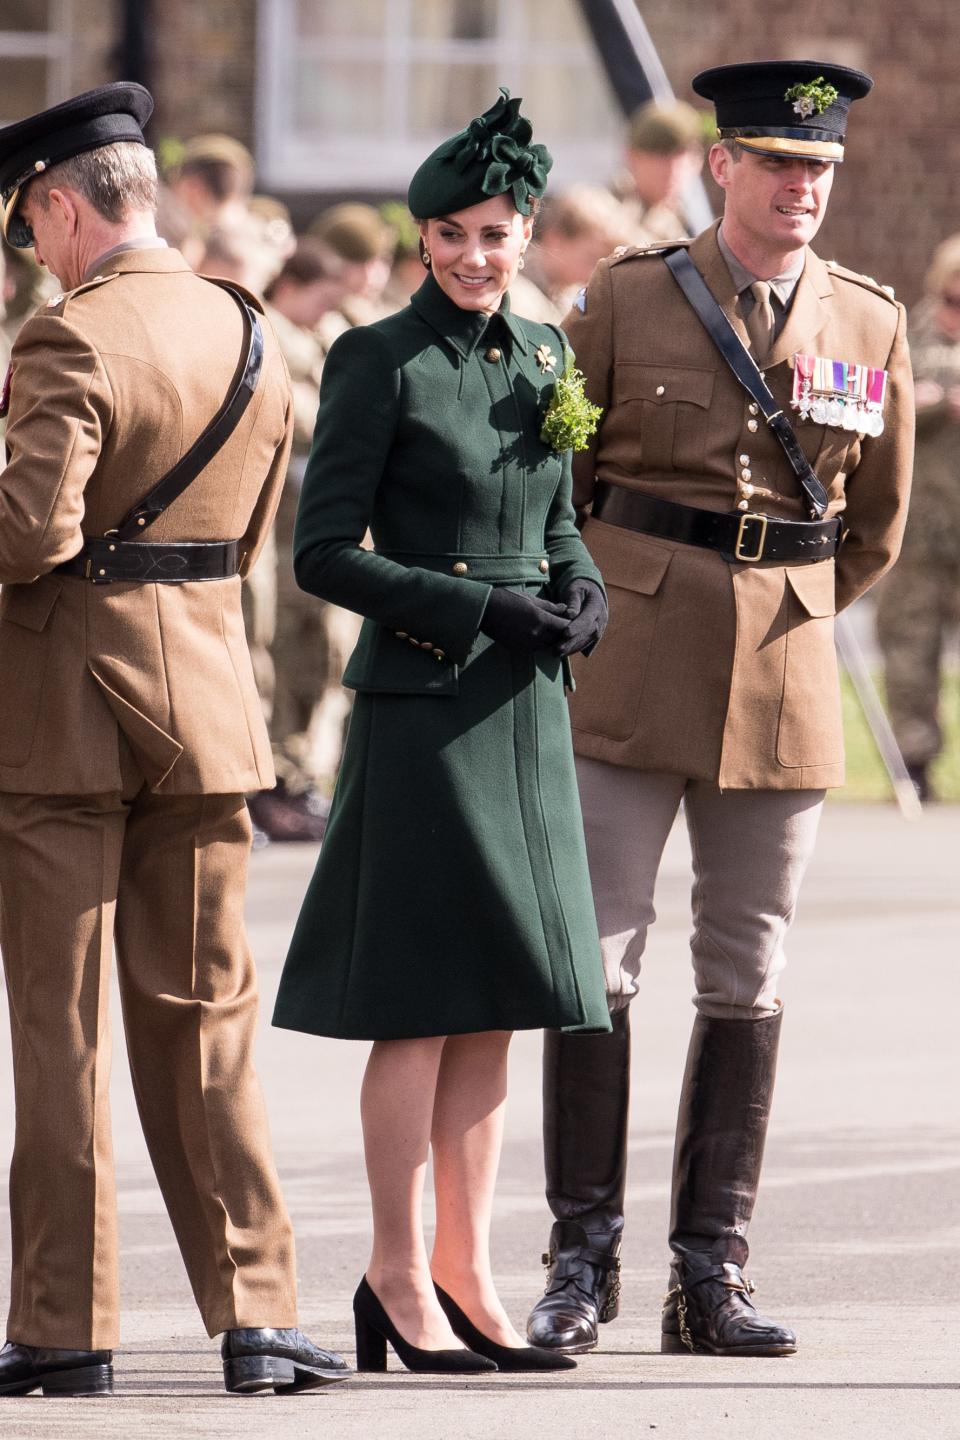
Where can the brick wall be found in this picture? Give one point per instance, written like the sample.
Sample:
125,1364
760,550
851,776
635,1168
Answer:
895,195
203,69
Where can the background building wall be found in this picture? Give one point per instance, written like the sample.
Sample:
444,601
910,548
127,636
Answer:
895,195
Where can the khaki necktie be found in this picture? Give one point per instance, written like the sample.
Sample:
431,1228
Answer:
760,322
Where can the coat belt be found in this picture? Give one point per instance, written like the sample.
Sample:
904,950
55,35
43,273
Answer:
532,566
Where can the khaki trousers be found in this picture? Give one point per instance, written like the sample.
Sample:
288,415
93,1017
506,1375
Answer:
750,851
164,878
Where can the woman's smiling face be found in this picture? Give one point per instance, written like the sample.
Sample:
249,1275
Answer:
475,253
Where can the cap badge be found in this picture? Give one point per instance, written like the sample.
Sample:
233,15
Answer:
812,97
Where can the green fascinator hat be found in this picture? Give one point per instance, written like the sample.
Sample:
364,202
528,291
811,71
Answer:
493,156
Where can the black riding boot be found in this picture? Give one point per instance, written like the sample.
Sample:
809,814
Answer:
586,1095
721,1129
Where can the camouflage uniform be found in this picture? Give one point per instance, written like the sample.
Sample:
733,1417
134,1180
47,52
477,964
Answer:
920,600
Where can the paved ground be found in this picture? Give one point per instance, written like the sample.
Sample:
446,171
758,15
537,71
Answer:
856,1241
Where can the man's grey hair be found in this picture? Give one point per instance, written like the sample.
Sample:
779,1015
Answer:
734,150
115,179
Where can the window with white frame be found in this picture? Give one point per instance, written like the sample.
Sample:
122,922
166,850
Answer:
353,94
33,56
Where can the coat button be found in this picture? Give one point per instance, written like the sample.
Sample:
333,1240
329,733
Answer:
744,459
461,567
661,389
746,474
754,409
411,641
493,355
752,426
743,504
426,644
402,635
544,567
439,655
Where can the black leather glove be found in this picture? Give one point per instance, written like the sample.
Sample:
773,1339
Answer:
523,622
586,607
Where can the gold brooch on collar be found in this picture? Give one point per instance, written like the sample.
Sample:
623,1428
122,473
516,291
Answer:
545,359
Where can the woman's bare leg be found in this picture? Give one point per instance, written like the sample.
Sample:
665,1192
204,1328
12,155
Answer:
396,1108
471,1093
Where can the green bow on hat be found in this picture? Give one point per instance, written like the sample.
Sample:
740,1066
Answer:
492,156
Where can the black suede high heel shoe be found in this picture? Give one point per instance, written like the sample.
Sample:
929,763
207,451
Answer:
507,1357
374,1328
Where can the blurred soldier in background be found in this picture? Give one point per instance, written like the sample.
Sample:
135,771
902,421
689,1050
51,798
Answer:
574,230
309,706
359,237
663,155
213,180
920,599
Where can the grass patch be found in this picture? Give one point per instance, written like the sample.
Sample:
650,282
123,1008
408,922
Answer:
866,777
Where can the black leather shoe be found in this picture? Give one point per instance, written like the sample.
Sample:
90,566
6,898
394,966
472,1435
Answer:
24,1368
708,1311
511,1358
583,1289
278,1360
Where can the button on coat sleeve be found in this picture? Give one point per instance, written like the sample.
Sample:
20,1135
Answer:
61,408
357,419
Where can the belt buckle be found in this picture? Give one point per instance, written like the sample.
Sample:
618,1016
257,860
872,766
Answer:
738,544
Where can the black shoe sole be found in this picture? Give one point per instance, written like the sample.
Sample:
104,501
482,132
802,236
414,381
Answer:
86,1380
255,1374
673,1345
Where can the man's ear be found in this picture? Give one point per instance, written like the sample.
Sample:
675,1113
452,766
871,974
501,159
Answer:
720,161
65,202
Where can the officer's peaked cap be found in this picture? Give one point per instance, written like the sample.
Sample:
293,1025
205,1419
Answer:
88,121
794,108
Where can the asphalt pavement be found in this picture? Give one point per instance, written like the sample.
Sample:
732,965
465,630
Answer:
856,1240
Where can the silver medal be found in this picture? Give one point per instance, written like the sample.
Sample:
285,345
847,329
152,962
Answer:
819,411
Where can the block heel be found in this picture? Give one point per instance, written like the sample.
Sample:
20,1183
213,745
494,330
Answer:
248,1374
87,1380
371,1347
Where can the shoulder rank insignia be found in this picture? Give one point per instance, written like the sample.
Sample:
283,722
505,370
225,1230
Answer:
580,300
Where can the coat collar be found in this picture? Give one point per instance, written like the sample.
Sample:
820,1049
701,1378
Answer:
806,316
462,329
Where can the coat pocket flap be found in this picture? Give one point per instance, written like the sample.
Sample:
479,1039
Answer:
385,663
663,384
815,587
626,559
30,605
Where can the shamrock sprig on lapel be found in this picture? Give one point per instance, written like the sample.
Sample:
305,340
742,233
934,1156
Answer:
570,418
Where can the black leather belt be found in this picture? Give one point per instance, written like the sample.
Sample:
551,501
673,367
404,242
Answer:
105,559
743,535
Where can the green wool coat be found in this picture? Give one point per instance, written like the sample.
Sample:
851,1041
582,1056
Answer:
452,893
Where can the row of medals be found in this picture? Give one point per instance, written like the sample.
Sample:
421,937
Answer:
840,393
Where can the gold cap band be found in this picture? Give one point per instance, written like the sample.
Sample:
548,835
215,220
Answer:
9,206
798,149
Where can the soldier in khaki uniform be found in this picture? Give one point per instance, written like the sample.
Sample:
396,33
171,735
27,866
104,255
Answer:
663,155
919,602
131,728
716,683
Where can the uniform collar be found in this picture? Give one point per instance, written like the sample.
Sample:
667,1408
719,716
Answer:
463,329
158,257
806,316
782,285
145,242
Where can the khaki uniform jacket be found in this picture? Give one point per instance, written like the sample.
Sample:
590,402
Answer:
719,671
111,384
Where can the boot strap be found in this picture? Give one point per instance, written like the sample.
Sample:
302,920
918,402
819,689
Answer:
728,1274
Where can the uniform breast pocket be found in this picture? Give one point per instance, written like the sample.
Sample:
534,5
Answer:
25,629
811,727
672,404
610,682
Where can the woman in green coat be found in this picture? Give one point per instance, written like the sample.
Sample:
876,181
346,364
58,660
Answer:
451,903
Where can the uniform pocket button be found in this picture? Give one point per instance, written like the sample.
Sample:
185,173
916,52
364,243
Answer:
461,568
